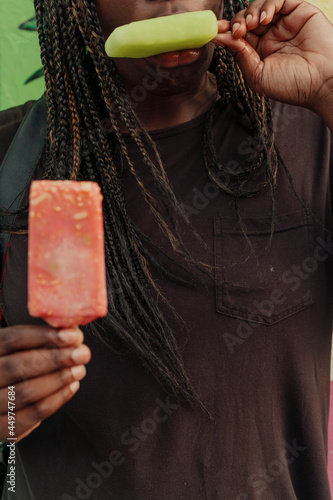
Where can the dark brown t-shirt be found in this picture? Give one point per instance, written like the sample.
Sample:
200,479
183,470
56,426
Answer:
256,345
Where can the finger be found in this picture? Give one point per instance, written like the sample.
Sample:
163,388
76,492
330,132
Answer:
296,13
252,15
30,417
259,8
238,26
33,390
18,338
223,26
262,13
246,19
30,364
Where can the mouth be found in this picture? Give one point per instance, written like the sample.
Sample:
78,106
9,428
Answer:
176,58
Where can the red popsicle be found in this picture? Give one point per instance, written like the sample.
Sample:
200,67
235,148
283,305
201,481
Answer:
66,264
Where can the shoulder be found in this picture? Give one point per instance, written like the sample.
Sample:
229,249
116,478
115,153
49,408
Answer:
10,121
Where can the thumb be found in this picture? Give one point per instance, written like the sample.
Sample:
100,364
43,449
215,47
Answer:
246,57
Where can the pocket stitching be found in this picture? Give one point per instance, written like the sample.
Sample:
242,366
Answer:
243,313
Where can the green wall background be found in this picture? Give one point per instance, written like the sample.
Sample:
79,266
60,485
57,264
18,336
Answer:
19,51
19,54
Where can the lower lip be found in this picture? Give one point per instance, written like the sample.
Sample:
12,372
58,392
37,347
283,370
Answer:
178,58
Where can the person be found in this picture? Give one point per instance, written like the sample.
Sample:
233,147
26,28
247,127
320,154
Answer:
209,377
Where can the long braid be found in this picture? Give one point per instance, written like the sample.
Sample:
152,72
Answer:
172,208
82,86
233,89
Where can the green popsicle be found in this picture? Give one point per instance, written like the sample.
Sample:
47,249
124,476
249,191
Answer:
189,30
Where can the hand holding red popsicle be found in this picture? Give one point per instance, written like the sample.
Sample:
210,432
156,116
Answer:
67,288
45,365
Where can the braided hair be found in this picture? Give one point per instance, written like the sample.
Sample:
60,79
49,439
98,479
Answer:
82,86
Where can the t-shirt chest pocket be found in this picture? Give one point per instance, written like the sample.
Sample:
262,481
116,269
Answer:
271,281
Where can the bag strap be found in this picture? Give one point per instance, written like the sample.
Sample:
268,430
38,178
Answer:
18,165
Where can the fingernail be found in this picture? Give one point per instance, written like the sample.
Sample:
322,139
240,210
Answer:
263,16
235,27
67,335
74,387
79,372
248,18
81,355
